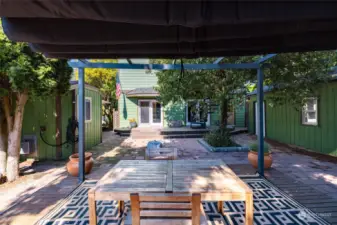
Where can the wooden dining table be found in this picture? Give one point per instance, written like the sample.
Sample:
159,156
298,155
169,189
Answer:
212,179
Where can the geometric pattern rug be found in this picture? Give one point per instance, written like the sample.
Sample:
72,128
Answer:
271,206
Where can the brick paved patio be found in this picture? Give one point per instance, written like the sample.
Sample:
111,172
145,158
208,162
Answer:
33,196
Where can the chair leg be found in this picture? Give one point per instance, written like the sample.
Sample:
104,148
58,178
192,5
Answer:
249,209
196,201
121,205
220,207
135,209
92,208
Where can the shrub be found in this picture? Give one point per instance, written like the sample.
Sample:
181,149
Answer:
255,147
219,138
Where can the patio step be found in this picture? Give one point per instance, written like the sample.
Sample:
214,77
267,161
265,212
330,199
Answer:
189,131
173,136
145,133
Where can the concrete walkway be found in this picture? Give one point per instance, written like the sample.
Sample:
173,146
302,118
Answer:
28,199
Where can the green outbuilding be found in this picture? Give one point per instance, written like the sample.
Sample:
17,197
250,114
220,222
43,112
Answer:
49,125
314,127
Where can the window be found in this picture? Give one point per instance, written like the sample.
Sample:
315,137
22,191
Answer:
310,112
87,109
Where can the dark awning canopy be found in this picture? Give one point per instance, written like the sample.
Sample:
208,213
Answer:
171,28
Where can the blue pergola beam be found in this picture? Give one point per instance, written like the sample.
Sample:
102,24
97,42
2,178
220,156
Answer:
81,125
218,60
260,121
86,64
265,58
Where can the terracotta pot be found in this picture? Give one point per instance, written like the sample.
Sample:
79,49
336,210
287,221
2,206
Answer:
253,159
72,165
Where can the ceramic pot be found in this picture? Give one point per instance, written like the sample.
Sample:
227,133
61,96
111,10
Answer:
72,165
253,159
133,124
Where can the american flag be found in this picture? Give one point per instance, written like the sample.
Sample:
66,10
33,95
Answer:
118,87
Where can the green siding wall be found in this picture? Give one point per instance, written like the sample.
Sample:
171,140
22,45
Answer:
131,79
42,113
128,109
240,111
93,129
283,123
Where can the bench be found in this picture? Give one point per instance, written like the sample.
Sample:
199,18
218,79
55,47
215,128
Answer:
161,153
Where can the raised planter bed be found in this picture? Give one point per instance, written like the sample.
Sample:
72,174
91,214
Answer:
237,148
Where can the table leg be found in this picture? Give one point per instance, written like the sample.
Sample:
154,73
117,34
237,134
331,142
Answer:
92,207
196,201
135,209
220,207
121,207
249,209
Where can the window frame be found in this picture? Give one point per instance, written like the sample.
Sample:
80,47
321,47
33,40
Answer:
304,111
85,118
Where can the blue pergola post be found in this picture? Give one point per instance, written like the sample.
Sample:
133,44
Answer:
260,121
81,127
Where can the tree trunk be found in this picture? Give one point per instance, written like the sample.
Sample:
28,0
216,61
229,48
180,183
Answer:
3,145
223,113
14,138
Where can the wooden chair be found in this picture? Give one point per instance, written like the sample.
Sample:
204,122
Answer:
161,153
166,209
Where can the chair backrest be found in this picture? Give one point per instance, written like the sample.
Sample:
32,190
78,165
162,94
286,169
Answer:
165,209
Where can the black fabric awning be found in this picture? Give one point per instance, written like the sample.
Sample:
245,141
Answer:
171,28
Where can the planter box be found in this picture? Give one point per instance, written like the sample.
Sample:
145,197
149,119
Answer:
210,148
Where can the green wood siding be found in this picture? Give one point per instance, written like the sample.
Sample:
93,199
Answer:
128,109
131,79
42,113
283,123
93,130
239,112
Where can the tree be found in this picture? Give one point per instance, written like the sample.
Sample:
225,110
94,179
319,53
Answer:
220,86
293,76
24,75
105,81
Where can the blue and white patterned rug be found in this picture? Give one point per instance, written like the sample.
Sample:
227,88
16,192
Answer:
271,206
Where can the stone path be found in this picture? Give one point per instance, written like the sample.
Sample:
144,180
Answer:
27,200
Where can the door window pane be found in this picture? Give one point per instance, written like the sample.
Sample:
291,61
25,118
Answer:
145,112
156,112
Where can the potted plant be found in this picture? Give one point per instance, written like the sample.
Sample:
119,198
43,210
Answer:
73,164
133,123
253,156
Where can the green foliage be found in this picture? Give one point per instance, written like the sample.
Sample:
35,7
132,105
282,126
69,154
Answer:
22,69
294,76
255,147
105,81
219,138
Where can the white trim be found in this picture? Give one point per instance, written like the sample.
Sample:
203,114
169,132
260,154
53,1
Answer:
151,123
257,119
313,122
90,100
208,123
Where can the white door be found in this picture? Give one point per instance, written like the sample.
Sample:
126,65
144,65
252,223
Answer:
257,119
150,113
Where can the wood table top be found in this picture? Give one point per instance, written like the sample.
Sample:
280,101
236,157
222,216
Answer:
213,179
